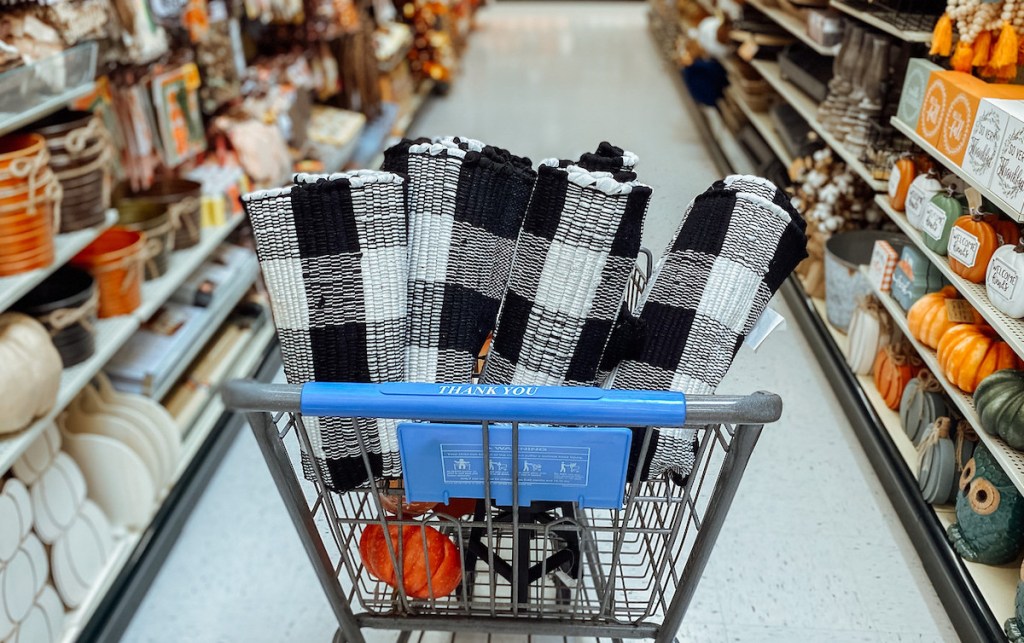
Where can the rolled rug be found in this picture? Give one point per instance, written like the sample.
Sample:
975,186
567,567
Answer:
333,251
574,255
466,204
730,254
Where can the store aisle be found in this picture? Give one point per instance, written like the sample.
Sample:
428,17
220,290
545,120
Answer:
812,549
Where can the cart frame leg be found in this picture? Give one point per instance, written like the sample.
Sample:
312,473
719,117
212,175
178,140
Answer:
729,477
280,467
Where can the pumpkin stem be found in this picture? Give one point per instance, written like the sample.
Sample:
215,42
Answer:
1020,246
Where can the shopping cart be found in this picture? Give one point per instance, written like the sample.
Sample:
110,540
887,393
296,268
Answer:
531,565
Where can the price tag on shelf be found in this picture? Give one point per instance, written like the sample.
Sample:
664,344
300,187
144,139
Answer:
961,312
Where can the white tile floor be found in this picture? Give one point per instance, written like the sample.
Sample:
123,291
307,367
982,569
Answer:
812,550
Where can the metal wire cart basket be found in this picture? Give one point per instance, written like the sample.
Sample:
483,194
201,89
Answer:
534,558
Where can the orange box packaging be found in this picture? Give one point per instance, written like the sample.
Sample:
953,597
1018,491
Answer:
950,106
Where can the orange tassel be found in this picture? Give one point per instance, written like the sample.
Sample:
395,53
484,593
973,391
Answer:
962,56
988,71
1020,51
1007,73
982,49
942,37
1005,51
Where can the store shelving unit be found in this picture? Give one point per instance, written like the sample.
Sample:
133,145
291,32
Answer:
909,132
135,552
1010,329
66,246
793,25
1010,460
808,110
112,333
977,598
10,122
762,122
883,25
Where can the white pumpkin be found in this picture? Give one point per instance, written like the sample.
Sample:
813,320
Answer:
868,334
30,369
1004,279
919,195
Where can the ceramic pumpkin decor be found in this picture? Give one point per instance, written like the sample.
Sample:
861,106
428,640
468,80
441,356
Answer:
939,216
1003,280
922,404
1000,403
431,564
1007,231
972,242
914,277
989,513
1014,626
928,319
870,330
894,367
900,177
968,353
920,194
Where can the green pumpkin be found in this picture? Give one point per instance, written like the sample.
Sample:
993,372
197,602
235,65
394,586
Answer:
989,526
914,277
1000,402
939,217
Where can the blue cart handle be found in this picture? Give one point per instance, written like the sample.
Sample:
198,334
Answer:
501,403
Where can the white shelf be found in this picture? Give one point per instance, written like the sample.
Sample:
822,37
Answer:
67,245
125,546
997,584
111,334
878,23
762,122
216,314
181,265
1010,460
1010,329
955,169
10,122
793,25
808,109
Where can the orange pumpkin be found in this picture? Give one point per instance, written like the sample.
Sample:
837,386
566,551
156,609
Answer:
394,502
971,244
894,367
968,353
900,178
927,318
1007,231
431,565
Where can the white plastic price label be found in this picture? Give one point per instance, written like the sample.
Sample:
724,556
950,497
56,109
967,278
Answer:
766,324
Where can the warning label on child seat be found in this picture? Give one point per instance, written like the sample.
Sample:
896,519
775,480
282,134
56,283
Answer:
561,465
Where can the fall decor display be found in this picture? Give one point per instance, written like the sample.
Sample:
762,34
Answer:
988,37
928,319
30,372
972,242
939,216
922,404
870,329
431,564
914,277
903,173
919,195
989,525
968,353
1003,279
894,367
1000,403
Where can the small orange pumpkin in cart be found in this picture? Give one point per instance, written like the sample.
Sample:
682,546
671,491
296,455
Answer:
431,564
894,367
972,241
968,353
